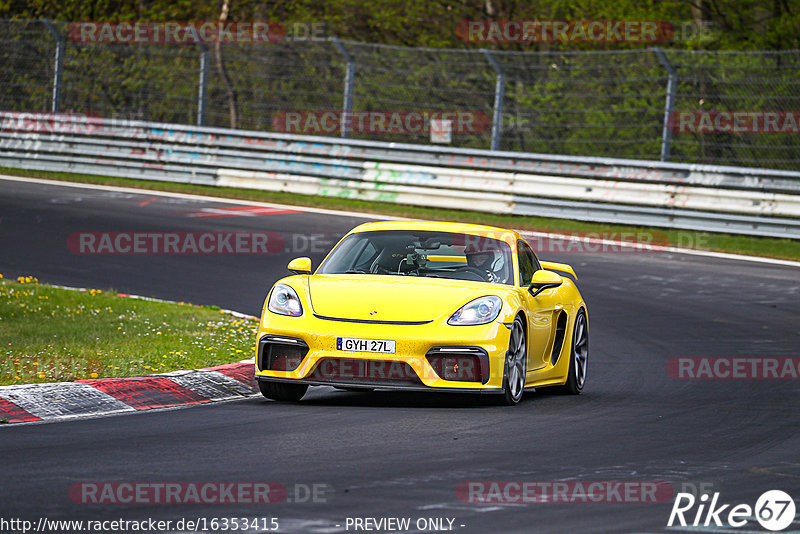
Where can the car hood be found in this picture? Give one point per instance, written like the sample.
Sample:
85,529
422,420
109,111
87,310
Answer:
390,298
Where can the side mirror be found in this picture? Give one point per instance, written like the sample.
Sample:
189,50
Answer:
300,265
544,280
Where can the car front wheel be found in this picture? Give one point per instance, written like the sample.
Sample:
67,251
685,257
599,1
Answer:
516,364
579,356
281,391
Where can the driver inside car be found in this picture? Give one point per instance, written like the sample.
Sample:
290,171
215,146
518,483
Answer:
489,262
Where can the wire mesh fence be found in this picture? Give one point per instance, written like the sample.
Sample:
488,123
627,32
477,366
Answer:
754,86
726,108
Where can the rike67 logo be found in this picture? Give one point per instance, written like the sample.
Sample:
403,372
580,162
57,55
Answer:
774,510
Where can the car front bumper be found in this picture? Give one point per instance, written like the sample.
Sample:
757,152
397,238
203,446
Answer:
461,359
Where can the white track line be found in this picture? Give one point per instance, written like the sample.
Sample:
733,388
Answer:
221,200
342,213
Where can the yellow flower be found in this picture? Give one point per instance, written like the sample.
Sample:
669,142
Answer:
93,375
41,375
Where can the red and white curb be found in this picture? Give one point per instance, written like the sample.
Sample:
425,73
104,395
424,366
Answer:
105,396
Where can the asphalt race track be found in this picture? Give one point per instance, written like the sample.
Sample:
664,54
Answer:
388,454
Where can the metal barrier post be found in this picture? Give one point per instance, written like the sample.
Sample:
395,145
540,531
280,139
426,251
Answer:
58,66
349,76
672,85
202,90
499,96
202,84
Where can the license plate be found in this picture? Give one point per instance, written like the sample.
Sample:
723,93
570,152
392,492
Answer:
365,345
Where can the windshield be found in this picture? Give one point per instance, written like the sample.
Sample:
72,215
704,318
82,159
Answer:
423,253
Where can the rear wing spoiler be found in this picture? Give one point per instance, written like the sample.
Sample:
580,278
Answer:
561,267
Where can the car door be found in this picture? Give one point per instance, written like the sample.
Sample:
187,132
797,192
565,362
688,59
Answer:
541,310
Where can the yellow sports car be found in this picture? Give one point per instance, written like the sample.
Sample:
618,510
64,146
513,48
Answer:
424,306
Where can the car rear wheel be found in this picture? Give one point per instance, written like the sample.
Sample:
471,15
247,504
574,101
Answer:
579,357
516,364
281,391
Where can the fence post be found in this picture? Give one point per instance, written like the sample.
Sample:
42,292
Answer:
202,84
58,66
672,85
499,97
202,90
349,76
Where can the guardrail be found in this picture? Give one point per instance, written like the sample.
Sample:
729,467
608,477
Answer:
697,197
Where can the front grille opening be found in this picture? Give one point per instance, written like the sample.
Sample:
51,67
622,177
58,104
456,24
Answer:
462,364
280,354
357,371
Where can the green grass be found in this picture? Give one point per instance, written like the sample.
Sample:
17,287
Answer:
736,244
51,334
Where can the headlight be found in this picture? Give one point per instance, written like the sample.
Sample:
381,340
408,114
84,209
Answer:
479,311
284,301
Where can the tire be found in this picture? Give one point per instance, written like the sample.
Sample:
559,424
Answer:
281,391
579,356
515,365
